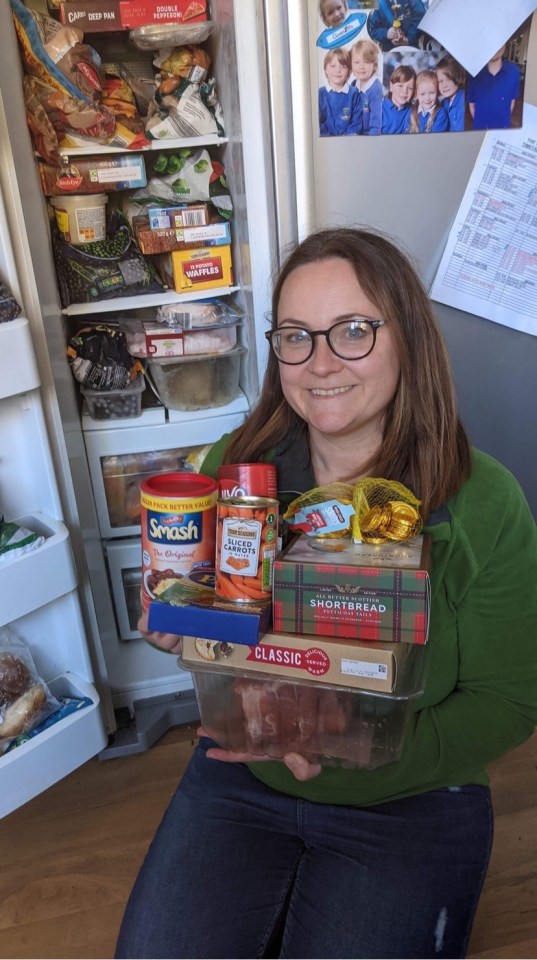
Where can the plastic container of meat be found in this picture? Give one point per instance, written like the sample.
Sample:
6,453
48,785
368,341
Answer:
272,715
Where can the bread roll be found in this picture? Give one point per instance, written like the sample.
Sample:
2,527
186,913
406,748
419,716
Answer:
14,678
23,714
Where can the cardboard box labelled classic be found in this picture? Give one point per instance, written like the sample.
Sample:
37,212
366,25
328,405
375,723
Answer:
201,269
153,241
383,667
363,592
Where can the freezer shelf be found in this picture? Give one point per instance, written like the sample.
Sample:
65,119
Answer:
18,368
37,578
144,300
167,143
24,773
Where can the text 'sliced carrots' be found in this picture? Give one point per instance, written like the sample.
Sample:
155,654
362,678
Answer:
246,543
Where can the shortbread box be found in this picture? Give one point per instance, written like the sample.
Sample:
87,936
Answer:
361,591
385,667
201,269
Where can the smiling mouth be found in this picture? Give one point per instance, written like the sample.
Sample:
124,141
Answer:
318,392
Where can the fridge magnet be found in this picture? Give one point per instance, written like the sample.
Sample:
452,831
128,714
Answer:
380,73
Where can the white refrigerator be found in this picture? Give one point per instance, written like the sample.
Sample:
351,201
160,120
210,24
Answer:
74,601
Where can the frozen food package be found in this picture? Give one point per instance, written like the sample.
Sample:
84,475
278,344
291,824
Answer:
155,36
185,176
182,108
99,358
9,308
199,313
25,699
68,71
16,540
102,269
191,62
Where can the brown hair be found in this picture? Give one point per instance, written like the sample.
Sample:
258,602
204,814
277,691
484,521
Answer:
402,74
413,126
452,69
424,444
338,54
369,49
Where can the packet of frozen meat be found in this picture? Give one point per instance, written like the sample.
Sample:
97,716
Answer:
25,699
155,36
99,358
186,176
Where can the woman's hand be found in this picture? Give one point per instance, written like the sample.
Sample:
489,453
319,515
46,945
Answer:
301,768
168,642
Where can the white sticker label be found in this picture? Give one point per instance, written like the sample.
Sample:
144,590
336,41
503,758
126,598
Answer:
241,540
363,668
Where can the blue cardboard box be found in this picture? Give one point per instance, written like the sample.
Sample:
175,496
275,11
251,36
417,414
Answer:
218,620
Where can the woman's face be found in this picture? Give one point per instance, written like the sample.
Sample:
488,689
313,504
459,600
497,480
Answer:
427,93
334,12
445,85
361,69
402,92
338,398
336,73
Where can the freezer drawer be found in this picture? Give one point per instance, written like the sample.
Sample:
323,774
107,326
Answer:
120,460
136,670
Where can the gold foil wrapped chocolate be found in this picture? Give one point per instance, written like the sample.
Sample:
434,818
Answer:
384,510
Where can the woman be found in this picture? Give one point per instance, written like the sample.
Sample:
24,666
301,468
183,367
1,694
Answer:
265,858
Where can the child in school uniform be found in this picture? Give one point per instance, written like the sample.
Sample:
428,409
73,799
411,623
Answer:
427,114
492,93
396,24
365,57
397,104
451,78
340,106
333,12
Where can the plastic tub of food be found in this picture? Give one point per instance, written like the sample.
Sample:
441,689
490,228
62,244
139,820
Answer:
197,383
148,338
271,716
115,404
81,218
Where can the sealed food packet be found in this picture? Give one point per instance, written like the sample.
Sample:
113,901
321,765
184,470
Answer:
99,358
16,540
25,699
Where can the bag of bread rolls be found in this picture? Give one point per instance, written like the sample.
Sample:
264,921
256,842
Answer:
25,699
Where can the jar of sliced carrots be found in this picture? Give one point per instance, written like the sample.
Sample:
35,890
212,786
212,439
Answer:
246,543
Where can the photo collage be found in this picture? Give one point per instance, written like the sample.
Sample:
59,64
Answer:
380,74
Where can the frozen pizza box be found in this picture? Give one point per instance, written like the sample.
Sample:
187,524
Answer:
385,667
362,592
93,175
153,240
91,16
137,13
204,268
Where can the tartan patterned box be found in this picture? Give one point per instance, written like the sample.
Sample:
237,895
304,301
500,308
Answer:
363,592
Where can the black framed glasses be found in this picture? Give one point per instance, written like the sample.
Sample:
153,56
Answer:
351,339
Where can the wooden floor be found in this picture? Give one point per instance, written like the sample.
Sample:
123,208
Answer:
69,857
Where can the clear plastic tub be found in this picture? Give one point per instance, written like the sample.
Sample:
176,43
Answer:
115,404
271,716
124,473
197,383
147,338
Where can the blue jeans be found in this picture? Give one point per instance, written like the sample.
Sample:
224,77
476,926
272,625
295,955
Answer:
237,869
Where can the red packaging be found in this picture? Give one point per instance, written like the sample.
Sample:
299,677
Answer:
246,544
247,480
178,520
137,13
